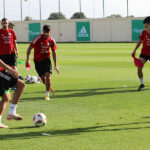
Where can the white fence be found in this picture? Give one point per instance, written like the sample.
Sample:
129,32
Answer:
101,30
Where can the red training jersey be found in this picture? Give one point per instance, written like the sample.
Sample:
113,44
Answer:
7,38
41,47
145,37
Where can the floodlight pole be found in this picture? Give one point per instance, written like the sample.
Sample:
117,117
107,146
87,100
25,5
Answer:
59,6
80,7
103,9
4,7
40,8
127,8
21,8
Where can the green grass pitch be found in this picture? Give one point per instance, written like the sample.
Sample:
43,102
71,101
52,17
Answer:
96,105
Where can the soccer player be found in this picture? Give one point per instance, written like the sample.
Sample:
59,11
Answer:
8,46
12,27
9,78
41,45
144,39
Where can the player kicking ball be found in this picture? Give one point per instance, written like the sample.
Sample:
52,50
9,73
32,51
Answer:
9,78
41,44
144,39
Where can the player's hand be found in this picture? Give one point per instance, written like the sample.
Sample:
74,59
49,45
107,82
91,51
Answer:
17,55
27,62
57,70
133,54
13,72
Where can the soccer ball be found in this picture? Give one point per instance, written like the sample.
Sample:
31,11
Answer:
39,119
33,79
27,78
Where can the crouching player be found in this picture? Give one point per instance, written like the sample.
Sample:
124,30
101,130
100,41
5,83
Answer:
144,39
41,44
9,78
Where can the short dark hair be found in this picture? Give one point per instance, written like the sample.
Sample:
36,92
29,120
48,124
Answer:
146,20
4,19
11,24
46,28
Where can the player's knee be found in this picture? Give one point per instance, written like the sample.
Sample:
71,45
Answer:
20,84
6,97
140,69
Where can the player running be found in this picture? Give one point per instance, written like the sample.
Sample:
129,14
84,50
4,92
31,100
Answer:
144,39
9,78
41,45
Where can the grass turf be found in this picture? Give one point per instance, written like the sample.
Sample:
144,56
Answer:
96,105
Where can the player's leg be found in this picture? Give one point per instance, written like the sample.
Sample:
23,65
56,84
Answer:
140,73
20,85
48,85
43,78
14,67
3,104
51,88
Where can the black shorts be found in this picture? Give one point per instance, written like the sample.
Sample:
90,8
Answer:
6,81
145,57
43,66
9,59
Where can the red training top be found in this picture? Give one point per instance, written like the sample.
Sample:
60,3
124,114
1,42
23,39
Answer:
7,38
41,47
145,37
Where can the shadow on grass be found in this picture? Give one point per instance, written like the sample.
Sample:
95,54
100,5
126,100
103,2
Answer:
81,90
76,131
146,117
87,92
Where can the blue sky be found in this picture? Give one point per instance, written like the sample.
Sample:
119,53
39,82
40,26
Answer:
91,8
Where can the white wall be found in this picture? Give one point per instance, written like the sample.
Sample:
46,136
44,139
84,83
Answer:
22,30
67,31
102,30
121,30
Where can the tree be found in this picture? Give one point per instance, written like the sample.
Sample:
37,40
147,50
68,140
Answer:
28,18
57,15
131,16
78,15
115,16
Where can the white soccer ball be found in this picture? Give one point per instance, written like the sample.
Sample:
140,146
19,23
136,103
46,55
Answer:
33,79
27,78
39,119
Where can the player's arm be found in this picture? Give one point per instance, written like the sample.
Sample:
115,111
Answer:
137,46
16,49
55,61
28,55
15,44
13,72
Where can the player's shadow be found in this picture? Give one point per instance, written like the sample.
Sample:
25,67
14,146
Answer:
73,132
86,92
32,98
93,92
